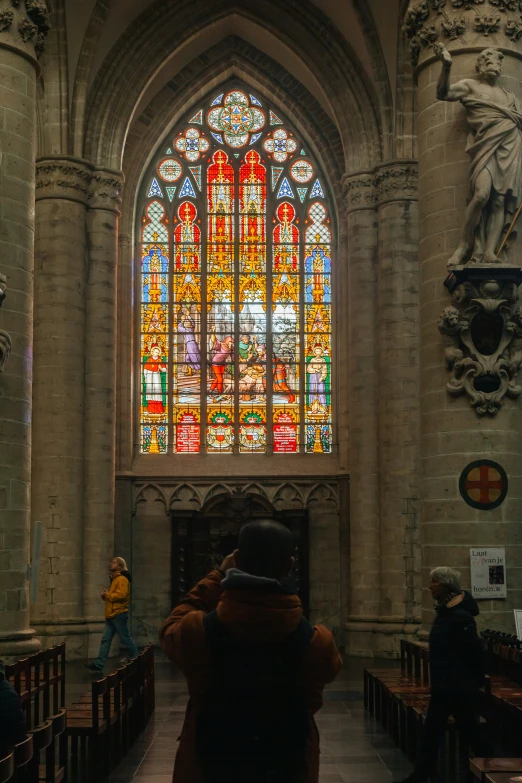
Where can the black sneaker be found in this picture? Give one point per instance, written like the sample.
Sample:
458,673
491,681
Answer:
93,668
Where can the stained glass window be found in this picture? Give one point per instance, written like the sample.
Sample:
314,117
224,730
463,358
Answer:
236,287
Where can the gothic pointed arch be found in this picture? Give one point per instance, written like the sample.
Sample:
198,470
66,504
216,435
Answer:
235,234
148,44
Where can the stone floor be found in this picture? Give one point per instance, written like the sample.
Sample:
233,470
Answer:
354,748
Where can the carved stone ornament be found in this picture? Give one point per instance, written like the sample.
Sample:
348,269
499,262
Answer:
106,188
453,28
486,24
483,335
359,191
63,178
28,23
397,182
5,339
3,288
5,348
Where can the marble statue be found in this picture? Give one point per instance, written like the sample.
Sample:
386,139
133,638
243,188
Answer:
495,148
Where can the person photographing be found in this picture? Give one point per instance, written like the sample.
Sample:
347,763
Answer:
117,600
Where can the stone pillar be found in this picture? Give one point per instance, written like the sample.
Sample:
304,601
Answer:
452,433
398,403
22,33
363,394
100,388
62,194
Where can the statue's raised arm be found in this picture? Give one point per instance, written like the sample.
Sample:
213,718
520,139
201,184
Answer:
495,148
445,90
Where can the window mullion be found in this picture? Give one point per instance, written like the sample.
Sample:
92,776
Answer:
302,337
170,338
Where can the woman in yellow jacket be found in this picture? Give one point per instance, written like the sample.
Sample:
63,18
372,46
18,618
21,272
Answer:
117,599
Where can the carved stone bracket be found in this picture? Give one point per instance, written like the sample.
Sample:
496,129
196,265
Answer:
63,177
106,188
483,335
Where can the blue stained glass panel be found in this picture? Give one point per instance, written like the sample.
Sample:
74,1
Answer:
255,101
317,191
218,137
169,151
255,137
302,193
154,189
217,100
303,152
285,191
187,190
171,192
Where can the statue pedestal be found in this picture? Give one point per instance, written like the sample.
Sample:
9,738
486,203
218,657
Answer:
483,333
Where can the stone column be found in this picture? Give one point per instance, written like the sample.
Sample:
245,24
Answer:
62,192
100,388
363,394
398,402
452,433
22,33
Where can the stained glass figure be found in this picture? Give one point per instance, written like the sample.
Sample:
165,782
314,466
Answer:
154,189
317,191
285,191
280,145
301,171
276,173
187,189
197,119
235,289
192,144
236,119
196,173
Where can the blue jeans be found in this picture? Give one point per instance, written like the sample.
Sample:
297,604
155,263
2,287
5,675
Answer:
119,625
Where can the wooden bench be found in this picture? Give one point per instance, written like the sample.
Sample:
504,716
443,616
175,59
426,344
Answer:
107,720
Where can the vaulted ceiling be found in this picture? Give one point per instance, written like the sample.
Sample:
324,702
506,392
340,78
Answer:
346,15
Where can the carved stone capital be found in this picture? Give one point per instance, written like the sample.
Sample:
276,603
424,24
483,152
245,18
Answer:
106,188
482,331
461,24
63,177
397,181
359,191
24,25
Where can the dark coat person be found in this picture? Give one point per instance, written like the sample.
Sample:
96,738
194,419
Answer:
224,635
457,661
12,720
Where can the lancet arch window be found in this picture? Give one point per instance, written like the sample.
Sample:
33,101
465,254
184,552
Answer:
235,287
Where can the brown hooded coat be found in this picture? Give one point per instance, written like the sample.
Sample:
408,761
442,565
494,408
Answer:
249,615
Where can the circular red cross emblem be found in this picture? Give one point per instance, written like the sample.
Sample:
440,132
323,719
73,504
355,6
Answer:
483,484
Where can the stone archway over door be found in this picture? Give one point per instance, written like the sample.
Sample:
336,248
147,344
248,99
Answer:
201,539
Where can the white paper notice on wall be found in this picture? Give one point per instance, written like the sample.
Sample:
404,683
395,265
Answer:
488,573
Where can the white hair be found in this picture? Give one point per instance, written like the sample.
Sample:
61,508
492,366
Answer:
447,576
122,564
